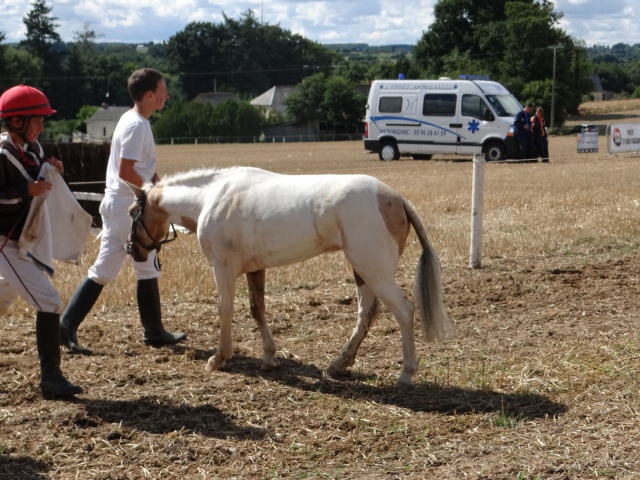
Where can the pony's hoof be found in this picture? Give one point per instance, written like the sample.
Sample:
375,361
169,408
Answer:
268,367
335,372
213,364
404,387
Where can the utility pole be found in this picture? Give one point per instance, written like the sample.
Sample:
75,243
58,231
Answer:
553,87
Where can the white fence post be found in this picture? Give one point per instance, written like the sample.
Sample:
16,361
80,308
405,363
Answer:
477,208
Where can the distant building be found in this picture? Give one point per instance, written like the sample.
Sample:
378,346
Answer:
273,100
598,93
100,125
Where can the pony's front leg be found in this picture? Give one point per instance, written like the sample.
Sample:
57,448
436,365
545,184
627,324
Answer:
256,298
226,284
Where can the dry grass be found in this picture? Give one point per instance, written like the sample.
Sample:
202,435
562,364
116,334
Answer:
540,380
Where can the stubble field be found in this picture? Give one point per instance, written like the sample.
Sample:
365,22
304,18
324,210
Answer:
540,379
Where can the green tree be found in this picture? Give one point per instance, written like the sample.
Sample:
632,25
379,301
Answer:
332,100
19,66
41,30
305,104
462,25
196,52
613,76
2,37
230,121
512,41
342,106
355,71
243,55
43,42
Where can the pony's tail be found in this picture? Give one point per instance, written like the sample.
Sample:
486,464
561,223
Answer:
435,321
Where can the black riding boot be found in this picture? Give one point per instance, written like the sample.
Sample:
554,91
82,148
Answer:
79,306
48,341
148,296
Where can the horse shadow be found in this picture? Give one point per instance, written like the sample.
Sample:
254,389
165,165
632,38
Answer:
424,397
22,468
158,416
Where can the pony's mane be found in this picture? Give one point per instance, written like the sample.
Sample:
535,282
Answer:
194,178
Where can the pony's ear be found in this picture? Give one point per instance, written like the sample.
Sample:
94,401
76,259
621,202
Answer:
137,191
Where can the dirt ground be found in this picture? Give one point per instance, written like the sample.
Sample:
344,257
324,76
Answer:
540,381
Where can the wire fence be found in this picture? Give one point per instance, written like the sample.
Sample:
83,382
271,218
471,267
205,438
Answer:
297,138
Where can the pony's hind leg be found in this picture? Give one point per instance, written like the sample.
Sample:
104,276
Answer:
256,298
367,314
403,310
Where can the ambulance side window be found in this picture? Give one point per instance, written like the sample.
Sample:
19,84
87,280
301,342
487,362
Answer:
439,105
473,106
390,105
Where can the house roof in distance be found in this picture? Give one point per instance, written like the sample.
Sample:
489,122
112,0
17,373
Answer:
274,97
108,113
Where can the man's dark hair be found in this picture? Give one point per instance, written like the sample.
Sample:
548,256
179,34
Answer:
142,81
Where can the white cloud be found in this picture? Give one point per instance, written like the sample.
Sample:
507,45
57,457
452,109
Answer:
376,22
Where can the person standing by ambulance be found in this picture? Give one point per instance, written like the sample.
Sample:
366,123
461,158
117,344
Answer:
132,160
540,138
522,124
22,111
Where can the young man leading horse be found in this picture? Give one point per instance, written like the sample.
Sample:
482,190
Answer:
132,160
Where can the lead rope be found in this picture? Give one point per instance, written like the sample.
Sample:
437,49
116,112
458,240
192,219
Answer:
156,261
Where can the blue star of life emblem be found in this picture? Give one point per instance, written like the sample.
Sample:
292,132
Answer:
474,126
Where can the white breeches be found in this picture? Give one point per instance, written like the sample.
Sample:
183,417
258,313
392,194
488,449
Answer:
26,279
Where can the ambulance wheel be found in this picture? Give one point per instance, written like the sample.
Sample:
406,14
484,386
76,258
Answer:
389,151
494,151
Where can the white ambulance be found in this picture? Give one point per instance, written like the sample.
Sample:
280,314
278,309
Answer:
422,118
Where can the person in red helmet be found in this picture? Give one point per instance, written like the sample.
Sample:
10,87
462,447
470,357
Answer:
22,111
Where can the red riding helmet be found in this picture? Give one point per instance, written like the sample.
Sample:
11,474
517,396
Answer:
24,101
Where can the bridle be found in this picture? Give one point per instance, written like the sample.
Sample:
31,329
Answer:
155,244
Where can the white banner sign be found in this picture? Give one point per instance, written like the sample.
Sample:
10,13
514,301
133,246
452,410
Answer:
588,142
624,138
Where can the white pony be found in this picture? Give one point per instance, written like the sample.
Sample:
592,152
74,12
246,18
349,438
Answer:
248,220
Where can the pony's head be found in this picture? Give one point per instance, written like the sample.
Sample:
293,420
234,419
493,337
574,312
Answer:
150,225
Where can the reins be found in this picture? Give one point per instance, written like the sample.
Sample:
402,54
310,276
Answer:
155,244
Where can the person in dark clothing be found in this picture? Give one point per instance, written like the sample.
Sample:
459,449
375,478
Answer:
22,110
540,138
522,124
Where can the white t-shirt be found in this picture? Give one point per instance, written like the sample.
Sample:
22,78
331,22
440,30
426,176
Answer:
133,140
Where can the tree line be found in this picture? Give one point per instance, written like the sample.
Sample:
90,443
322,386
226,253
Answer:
516,42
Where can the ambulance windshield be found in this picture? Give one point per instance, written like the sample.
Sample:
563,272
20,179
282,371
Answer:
504,105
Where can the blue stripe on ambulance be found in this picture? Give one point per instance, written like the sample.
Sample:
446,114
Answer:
413,122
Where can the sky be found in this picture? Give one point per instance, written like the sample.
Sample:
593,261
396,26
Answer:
375,22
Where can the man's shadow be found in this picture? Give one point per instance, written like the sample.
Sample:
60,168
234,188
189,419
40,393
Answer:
158,416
